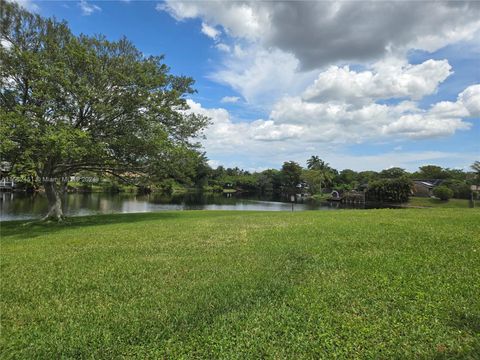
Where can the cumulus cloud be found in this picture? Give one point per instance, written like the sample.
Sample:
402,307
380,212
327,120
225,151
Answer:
224,134
261,76
289,58
470,99
340,121
466,106
320,33
295,125
88,8
277,47
239,19
342,106
386,80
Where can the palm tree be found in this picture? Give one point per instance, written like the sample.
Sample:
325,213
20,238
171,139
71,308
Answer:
327,176
315,163
325,172
476,167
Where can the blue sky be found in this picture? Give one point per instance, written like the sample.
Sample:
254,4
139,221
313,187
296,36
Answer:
394,93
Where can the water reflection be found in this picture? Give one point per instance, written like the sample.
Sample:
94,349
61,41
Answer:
16,206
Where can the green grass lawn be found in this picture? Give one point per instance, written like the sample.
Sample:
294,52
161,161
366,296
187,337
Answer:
372,284
452,203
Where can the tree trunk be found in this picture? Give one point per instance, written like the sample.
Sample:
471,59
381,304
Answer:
54,197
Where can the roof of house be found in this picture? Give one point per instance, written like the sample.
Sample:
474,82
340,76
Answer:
429,183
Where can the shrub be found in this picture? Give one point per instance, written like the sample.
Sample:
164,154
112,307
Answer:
461,190
443,192
385,190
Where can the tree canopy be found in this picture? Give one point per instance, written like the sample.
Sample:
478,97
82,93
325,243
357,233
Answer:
291,176
71,103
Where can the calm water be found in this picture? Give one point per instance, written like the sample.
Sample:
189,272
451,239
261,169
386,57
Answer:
18,206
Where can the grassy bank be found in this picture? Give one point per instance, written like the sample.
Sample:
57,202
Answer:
347,284
452,203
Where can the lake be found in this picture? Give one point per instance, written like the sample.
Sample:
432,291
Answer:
19,206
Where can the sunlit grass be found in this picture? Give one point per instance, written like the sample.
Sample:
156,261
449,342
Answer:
452,203
346,284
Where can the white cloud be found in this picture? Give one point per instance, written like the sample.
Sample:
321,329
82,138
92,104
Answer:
424,126
386,80
275,43
210,31
470,98
289,59
341,105
238,19
88,8
466,106
269,131
230,99
340,122
261,76
298,127
224,134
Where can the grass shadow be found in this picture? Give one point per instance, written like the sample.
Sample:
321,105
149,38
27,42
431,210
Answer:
28,229
469,323
466,322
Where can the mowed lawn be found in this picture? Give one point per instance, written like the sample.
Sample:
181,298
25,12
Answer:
452,203
372,284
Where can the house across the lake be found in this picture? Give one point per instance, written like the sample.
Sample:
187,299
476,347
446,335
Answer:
424,188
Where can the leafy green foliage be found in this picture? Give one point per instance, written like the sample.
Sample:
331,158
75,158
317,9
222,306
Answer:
348,177
71,103
443,192
320,176
314,180
389,190
315,163
291,174
431,172
460,188
476,167
393,173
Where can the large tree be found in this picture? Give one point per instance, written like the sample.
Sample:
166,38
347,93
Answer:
71,103
314,179
291,177
431,172
393,173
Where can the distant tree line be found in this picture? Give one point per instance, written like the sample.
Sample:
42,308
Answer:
318,177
